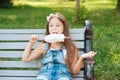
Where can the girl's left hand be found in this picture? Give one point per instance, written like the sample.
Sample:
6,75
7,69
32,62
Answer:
89,54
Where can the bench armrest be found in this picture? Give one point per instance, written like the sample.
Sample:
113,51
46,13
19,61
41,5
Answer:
88,68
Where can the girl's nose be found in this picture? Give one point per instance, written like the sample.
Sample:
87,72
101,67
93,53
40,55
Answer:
54,27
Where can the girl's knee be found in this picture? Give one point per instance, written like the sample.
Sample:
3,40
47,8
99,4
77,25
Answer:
42,77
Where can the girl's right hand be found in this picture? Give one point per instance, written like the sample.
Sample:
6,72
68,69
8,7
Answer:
34,38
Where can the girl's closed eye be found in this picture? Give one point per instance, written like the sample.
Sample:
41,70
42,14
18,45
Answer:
57,25
51,25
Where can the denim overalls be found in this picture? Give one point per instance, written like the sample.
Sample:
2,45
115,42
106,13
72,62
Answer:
54,66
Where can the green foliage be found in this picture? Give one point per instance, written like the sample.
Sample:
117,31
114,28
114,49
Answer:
51,0
106,42
6,3
80,13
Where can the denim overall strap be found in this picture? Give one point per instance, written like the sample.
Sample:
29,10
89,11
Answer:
53,55
46,46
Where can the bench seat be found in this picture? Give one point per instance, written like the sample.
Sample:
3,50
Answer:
13,43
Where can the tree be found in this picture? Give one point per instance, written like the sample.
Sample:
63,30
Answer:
118,4
77,9
5,3
80,12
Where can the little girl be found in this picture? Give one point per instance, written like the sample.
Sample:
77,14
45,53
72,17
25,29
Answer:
60,58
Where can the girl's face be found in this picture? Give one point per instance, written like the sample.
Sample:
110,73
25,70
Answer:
55,26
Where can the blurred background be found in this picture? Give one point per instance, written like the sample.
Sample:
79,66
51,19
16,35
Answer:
104,14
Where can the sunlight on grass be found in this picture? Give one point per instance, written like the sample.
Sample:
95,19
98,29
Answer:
19,2
12,17
51,4
90,5
35,4
44,4
100,4
102,1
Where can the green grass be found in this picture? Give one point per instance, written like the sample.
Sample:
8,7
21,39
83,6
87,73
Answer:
102,13
32,15
106,41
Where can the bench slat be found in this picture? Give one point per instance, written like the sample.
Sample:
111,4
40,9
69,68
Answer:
22,37
17,78
27,78
20,64
27,73
78,78
11,54
17,54
19,73
22,45
40,31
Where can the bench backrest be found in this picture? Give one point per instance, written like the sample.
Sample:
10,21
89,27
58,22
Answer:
14,41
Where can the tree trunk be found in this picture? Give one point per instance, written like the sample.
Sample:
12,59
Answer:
77,4
77,9
118,4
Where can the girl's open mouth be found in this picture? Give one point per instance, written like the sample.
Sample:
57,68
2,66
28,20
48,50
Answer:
55,33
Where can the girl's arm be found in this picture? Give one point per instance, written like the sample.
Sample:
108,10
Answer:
78,63
29,54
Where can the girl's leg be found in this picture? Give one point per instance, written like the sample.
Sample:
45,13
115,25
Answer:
64,78
42,77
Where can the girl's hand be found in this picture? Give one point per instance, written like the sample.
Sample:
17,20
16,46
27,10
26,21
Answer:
89,55
34,38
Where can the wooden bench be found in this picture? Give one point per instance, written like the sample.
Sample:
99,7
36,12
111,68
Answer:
14,41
